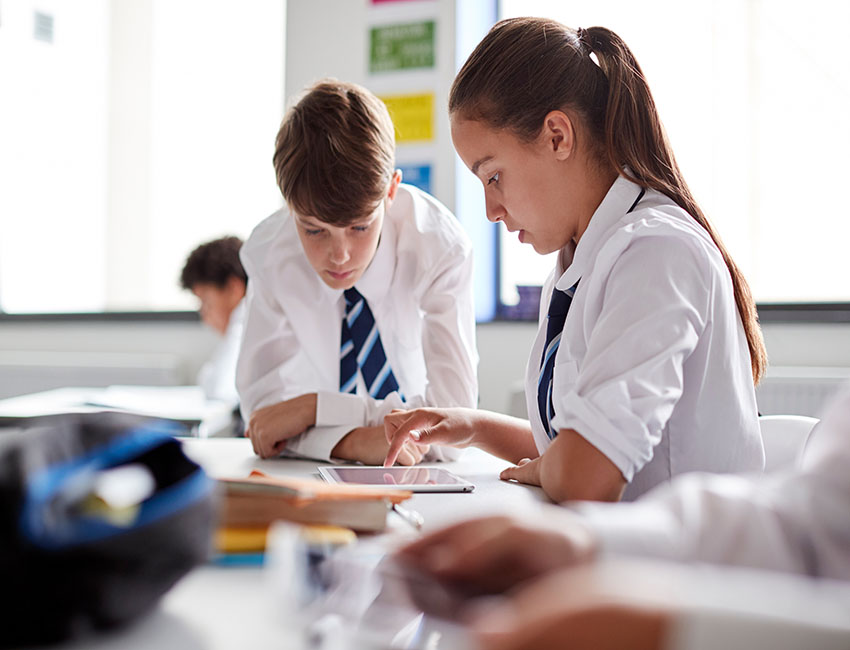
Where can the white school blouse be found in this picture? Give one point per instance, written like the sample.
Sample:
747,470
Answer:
653,367
419,288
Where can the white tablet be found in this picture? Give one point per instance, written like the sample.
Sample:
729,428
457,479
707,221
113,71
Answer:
416,479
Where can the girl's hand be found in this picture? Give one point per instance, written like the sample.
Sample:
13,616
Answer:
428,426
493,554
369,446
525,471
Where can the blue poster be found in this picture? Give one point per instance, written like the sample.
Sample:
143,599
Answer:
417,175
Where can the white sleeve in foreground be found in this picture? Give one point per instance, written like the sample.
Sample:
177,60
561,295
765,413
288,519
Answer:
734,608
710,630
796,521
719,519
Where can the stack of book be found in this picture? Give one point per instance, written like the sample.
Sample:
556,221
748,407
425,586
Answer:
330,512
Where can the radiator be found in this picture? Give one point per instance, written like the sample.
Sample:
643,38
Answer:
32,372
797,390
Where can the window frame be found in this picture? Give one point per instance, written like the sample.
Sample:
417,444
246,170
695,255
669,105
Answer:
773,312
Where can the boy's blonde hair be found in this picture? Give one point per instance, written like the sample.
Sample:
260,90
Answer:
335,153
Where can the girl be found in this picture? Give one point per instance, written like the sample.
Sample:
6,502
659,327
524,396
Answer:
649,346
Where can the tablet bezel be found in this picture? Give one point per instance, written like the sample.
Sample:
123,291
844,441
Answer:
330,475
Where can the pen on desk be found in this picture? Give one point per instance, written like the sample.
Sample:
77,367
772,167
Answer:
410,516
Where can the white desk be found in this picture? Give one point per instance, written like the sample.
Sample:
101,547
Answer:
184,404
228,607
234,457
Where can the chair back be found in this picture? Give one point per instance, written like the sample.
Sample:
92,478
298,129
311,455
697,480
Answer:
784,438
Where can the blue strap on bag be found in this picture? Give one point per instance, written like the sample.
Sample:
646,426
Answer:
71,562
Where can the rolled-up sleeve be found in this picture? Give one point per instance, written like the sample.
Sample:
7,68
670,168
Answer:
651,312
735,520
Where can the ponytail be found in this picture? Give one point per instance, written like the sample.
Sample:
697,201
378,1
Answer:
526,67
635,140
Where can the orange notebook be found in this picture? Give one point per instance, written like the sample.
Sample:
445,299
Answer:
259,499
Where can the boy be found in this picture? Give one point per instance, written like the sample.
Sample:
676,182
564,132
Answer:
360,299
214,273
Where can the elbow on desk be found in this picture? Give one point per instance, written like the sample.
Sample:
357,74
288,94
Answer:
574,470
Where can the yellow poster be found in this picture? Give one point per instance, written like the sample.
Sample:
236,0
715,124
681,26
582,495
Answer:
413,116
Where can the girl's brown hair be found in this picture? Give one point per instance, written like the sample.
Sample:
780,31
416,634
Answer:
335,153
526,67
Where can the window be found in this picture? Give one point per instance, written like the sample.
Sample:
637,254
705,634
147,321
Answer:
137,131
755,96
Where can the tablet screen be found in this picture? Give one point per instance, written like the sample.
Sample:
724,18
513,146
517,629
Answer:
418,479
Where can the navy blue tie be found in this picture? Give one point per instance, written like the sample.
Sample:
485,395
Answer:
361,348
555,319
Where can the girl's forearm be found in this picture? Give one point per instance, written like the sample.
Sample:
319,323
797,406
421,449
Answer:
504,436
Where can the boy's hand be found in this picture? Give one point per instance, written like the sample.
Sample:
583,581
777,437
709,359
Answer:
369,446
269,428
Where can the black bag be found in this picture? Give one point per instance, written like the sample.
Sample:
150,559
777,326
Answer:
65,566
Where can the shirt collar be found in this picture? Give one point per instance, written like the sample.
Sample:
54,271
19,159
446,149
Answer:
575,260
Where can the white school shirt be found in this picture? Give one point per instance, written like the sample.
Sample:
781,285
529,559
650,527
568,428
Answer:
653,367
795,521
419,288
217,376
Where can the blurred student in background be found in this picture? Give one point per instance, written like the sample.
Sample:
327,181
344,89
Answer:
214,273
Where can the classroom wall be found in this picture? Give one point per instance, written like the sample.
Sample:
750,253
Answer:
327,37
38,356
330,38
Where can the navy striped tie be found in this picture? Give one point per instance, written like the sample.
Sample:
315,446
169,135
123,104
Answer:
361,348
555,319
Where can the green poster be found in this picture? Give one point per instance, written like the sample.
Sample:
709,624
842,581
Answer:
402,47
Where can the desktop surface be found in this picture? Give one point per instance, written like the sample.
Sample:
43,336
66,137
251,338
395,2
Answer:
184,405
221,607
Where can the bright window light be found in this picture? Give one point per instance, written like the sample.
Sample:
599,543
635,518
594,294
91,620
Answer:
755,96
134,132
